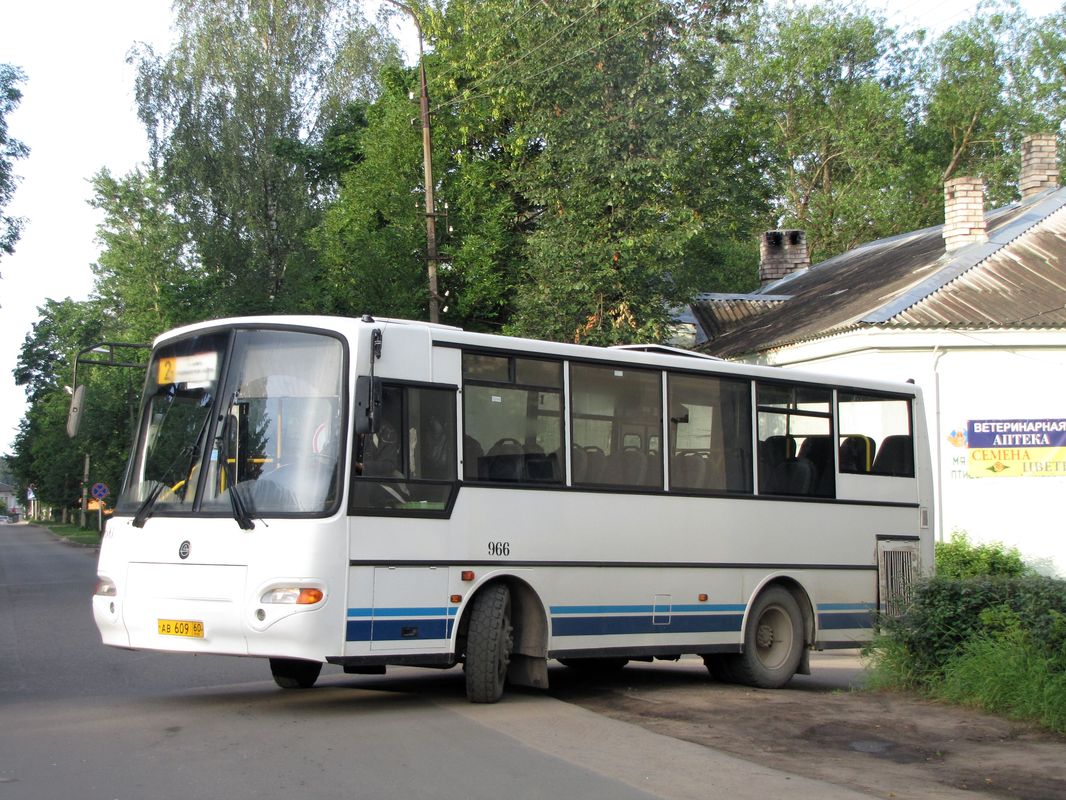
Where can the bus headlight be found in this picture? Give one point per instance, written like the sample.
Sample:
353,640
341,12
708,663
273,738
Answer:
293,595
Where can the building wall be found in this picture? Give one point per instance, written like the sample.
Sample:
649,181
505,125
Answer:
1008,490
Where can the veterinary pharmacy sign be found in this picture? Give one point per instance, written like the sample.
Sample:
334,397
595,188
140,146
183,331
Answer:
1003,448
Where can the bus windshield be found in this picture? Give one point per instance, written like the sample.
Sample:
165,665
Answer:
270,432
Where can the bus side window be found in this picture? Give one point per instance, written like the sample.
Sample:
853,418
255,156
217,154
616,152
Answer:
710,434
617,420
512,419
796,454
876,435
409,464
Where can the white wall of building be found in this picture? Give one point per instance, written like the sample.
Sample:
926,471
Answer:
987,375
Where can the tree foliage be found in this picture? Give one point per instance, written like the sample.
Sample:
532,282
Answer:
248,79
826,91
44,457
371,239
146,277
981,96
11,149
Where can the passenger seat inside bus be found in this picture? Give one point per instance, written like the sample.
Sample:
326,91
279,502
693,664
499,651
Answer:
818,451
857,453
781,471
895,457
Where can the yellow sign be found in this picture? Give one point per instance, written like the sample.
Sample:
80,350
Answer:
1016,462
168,368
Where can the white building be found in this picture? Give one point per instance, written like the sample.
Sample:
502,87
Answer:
974,312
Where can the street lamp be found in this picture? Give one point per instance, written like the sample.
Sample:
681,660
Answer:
427,168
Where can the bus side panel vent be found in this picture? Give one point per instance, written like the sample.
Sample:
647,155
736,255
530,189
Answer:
897,571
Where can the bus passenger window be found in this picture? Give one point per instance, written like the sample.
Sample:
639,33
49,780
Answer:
617,424
876,435
710,434
409,464
796,452
512,419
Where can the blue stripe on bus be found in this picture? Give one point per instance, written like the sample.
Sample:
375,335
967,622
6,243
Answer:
392,630
437,622
665,608
636,624
429,611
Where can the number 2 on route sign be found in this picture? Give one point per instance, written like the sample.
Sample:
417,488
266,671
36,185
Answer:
99,491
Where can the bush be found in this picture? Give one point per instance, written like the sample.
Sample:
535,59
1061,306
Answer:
993,641
959,558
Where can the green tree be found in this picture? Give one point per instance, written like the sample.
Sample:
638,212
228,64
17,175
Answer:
44,456
145,277
372,239
972,117
45,360
11,149
585,113
826,92
986,83
246,80
1045,64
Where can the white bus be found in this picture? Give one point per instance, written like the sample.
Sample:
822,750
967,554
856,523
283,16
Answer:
377,492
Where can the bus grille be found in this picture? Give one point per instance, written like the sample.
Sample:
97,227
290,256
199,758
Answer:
897,571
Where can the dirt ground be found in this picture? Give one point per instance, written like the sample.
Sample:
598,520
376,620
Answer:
886,744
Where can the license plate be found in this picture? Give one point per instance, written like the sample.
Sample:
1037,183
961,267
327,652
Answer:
181,627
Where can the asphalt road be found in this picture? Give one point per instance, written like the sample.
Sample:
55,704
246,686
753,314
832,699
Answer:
79,720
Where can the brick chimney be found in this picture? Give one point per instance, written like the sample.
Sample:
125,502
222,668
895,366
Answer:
964,213
781,253
1040,164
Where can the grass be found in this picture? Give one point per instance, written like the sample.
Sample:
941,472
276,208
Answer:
72,533
1005,674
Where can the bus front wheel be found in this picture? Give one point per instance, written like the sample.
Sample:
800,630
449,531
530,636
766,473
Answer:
294,673
489,641
773,642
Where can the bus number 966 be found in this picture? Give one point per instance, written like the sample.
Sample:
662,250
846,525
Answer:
499,548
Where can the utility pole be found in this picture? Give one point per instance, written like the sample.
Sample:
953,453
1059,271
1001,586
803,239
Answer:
427,169
84,493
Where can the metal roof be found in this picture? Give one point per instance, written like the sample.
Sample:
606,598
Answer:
1016,279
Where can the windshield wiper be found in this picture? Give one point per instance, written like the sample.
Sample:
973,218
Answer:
144,511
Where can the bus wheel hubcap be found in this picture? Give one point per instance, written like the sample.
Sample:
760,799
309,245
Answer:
765,636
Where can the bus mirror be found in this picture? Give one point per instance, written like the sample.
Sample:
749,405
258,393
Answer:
367,404
74,415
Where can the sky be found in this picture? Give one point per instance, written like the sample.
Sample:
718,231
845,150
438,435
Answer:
78,116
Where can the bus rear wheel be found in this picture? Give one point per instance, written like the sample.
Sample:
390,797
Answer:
773,642
295,673
489,641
